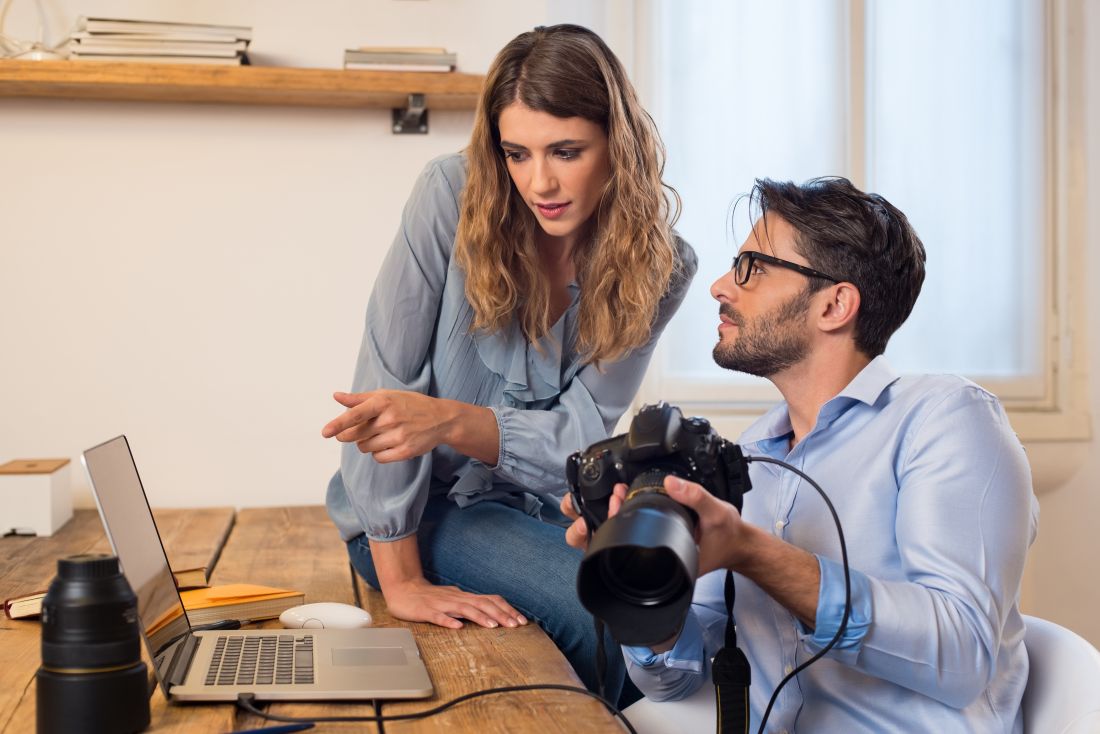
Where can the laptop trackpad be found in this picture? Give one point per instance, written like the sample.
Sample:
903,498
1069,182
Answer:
365,656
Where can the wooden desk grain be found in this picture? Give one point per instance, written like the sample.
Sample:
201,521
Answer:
298,548
473,658
29,564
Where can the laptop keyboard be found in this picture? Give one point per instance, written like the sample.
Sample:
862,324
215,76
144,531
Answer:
261,660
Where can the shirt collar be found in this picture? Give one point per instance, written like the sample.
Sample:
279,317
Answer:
866,387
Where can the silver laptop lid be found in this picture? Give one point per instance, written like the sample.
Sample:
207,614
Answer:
124,508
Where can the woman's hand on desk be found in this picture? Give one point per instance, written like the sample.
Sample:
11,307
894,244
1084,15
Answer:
412,597
395,425
420,601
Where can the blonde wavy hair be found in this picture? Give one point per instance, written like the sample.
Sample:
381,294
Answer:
628,263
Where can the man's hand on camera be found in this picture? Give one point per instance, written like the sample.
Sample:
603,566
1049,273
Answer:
786,572
721,534
576,534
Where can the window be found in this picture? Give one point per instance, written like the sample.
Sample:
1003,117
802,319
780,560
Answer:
945,108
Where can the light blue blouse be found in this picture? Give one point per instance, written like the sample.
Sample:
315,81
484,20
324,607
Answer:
418,337
934,494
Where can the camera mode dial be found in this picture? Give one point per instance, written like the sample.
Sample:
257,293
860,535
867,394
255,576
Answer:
696,425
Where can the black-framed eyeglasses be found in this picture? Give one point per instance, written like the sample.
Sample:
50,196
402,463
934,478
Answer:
744,263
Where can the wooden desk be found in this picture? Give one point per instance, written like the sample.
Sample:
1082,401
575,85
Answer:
298,548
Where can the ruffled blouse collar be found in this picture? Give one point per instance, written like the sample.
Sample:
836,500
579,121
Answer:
531,374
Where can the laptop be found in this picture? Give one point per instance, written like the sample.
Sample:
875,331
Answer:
217,665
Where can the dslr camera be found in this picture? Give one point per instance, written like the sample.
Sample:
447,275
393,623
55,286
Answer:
639,572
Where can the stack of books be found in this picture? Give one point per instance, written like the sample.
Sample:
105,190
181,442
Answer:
399,58
116,39
246,602
30,605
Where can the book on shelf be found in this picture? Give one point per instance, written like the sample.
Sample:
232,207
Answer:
117,39
355,66
126,47
432,59
211,60
399,49
397,59
165,37
93,25
246,602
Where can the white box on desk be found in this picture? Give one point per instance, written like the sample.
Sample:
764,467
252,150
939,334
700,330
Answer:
35,496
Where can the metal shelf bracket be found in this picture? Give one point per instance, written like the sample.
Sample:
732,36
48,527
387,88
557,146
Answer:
413,119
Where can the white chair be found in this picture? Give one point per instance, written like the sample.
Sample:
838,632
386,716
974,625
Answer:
1062,694
693,715
1063,683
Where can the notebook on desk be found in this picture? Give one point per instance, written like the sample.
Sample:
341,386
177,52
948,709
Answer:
272,664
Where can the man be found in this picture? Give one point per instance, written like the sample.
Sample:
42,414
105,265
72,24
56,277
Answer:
929,481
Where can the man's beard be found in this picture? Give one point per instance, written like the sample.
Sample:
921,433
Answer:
770,343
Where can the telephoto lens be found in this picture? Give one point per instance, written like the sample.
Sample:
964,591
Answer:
639,572
92,678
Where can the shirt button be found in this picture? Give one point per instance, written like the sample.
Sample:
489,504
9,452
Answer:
779,524
787,670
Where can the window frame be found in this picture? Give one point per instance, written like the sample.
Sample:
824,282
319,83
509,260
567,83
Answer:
1051,406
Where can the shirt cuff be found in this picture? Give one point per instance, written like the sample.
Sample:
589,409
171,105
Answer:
830,612
687,654
500,439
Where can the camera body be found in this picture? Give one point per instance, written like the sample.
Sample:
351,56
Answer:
639,571
660,441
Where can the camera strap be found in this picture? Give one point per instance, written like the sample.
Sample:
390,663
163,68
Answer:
731,674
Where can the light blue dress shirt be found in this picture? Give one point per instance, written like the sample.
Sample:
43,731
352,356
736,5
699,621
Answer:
934,494
417,337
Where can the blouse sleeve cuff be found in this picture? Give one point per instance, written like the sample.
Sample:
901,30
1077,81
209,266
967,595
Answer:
388,538
830,612
503,458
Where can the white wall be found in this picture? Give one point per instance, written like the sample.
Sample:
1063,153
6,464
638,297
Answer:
195,276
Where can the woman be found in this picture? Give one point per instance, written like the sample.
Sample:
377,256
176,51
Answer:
510,325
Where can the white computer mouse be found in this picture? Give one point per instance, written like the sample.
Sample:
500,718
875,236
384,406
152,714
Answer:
325,615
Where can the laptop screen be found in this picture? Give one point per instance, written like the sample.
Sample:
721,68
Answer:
133,534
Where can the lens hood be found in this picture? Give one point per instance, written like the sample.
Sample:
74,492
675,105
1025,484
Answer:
640,569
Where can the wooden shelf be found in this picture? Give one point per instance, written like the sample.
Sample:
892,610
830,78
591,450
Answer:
253,85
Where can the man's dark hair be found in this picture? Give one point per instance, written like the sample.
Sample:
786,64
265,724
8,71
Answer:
856,237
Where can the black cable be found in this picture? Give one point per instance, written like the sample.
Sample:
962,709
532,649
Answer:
847,586
378,712
246,701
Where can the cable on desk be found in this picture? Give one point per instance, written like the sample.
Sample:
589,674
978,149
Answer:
247,701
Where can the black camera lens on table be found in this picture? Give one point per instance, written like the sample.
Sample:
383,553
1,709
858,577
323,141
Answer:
639,572
92,677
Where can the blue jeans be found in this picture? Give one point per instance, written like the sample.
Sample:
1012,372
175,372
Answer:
491,548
